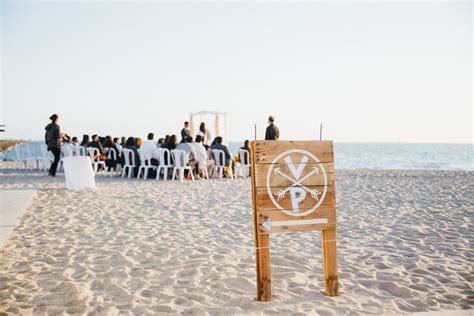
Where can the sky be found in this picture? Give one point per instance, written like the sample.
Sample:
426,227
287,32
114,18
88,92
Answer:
367,71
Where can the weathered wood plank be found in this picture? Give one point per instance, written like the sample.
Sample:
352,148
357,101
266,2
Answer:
265,203
277,215
267,151
302,228
331,278
282,177
262,245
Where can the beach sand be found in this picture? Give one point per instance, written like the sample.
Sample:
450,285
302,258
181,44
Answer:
146,247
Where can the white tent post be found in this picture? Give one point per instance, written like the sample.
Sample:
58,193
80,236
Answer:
225,123
191,124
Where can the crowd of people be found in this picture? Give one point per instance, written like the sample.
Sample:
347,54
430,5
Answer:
198,148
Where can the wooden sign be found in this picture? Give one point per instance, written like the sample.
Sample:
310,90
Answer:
293,190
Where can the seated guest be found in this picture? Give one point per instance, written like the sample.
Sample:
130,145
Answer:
172,142
130,144
160,143
166,141
189,149
110,162
117,143
85,140
247,148
202,155
123,141
170,145
228,158
75,146
102,140
149,149
96,144
138,142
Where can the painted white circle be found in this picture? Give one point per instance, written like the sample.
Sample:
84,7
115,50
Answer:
270,171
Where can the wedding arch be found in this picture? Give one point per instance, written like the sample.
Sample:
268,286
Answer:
195,119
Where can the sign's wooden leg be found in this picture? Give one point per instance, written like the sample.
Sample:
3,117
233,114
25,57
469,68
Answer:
331,279
264,277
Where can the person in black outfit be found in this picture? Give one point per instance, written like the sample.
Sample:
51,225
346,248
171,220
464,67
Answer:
228,158
131,144
96,144
85,140
185,133
53,141
109,144
272,132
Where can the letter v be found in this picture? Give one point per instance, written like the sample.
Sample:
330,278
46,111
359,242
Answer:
296,172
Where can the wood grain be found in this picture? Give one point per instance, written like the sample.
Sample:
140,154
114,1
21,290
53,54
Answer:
264,202
267,151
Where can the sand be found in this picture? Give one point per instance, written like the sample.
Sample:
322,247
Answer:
146,247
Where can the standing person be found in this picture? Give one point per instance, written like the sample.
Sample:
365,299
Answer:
205,134
185,133
272,132
53,141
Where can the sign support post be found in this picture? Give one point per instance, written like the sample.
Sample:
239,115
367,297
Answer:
331,279
262,247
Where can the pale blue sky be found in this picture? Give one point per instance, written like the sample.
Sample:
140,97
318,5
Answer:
381,72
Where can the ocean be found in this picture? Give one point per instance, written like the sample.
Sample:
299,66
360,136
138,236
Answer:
399,156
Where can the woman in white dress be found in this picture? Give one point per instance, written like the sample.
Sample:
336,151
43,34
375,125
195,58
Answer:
205,134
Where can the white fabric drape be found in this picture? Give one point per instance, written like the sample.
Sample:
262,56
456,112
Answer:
78,173
218,125
191,125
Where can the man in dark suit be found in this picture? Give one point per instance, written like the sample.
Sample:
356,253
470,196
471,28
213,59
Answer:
272,132
185,133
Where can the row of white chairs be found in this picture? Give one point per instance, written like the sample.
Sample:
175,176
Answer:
180,165
26,159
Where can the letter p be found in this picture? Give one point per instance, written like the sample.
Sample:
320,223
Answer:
297,195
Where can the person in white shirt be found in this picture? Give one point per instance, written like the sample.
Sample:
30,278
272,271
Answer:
189,149
149,149
202,155
205,134
117,144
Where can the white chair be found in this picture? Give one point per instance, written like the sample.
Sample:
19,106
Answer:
219,158
164,163
112,155
203,169
20,162
31,161
66,151
96,162
76,150
46,158
145,166
181,159
243,168
129,162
